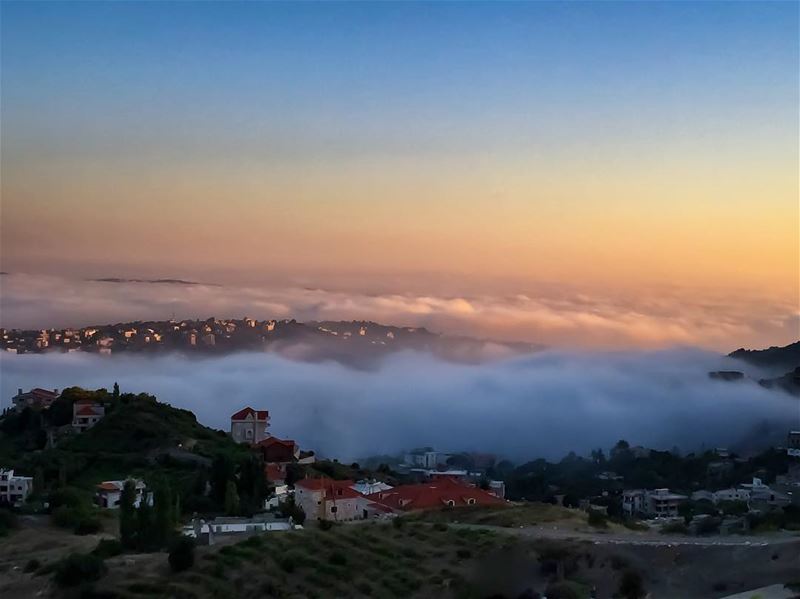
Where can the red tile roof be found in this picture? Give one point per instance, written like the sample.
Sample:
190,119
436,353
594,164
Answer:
40,393
437,494
270,441
248,411
87,411
333,489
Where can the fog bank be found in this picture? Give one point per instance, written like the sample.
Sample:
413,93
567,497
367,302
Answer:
541,405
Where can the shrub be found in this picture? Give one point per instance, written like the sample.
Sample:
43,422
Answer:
287,564
107,548
77,568
337,559
631,586
597,519
464,554
561,590
440,526
88,525
676,527
398,522
8,521
31,566
181,554
325,525
364,588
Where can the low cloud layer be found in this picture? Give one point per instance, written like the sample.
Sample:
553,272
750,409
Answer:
555,318
544,404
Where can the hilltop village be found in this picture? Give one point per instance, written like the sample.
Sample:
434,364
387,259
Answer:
145,478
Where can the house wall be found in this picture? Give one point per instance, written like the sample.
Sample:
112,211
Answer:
310,501
249,431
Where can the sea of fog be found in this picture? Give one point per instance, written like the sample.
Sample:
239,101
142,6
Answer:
541,405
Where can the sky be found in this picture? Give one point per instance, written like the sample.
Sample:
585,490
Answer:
637,158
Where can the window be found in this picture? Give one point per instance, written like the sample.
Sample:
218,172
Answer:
249,434
450,503
333,509
470,501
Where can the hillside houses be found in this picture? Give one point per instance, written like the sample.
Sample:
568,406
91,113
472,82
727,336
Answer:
108,493
37,398
14,489
249,425
86,413
336,500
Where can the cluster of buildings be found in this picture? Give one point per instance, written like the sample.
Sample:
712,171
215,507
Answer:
140,336
758,496
252,427
211,334
346,500
85,412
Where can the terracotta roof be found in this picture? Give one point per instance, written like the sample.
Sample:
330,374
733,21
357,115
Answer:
248,411
333,489
88,411
44,393
108,486
435,494
269,441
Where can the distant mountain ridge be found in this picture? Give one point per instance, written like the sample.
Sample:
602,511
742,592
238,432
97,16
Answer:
782,358
782,362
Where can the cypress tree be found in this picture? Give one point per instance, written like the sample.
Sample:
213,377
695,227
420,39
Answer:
127,515
231,499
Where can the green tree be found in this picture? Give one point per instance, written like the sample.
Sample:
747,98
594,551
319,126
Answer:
127,515
222,471
164,519
144,526
115,393
181,554
231,499
252,484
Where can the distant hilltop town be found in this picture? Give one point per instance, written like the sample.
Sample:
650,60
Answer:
351,342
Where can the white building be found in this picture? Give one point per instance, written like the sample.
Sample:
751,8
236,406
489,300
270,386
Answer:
426,458
762,495
85,414
108,493
249,425
206,531
658,503
14,490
